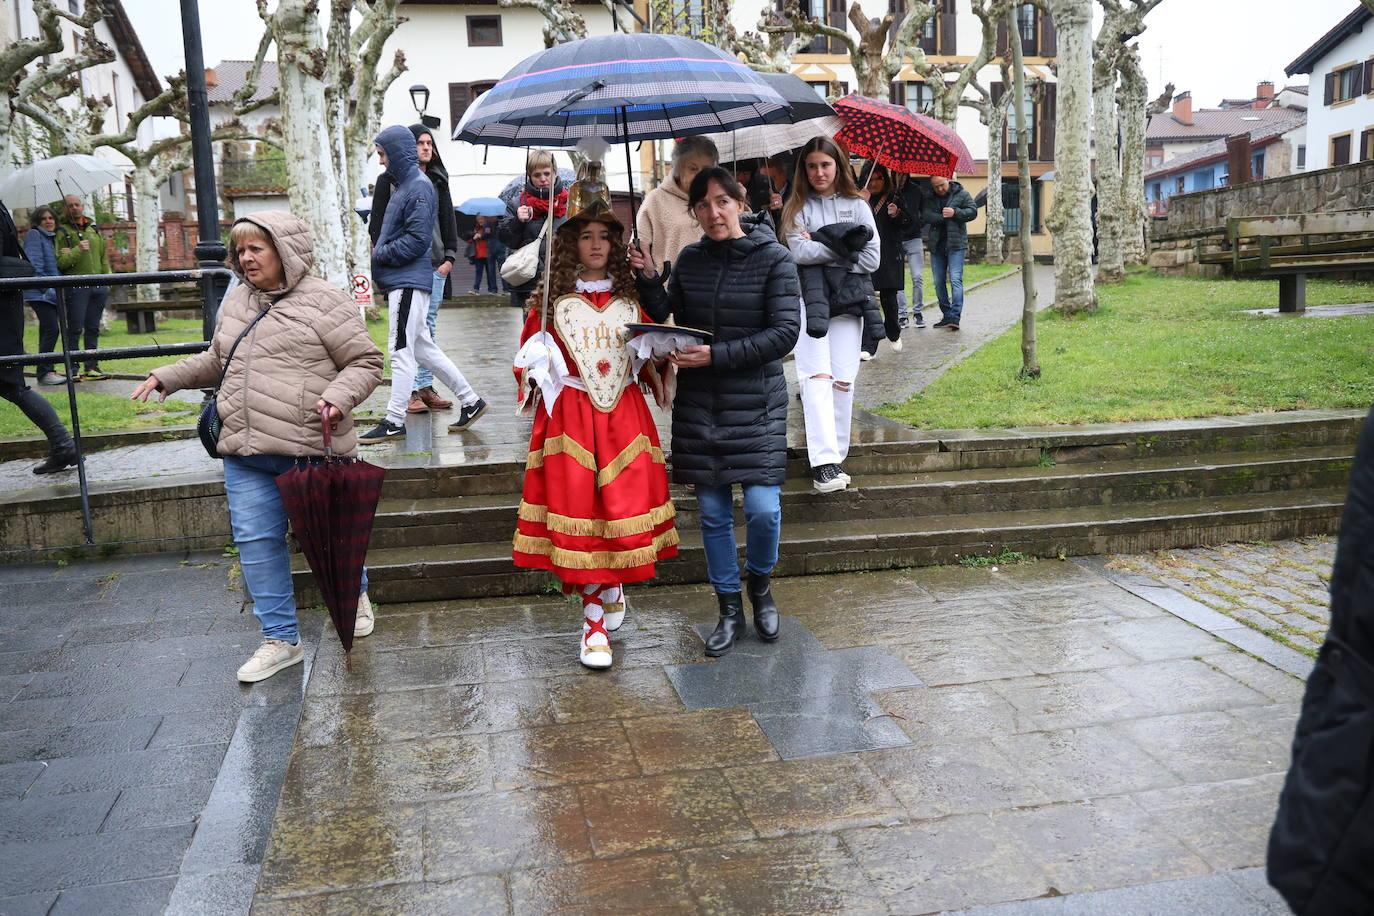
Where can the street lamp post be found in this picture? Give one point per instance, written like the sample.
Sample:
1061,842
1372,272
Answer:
419,97
210,251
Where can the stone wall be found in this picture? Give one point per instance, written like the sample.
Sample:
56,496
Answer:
1346,187
1198,220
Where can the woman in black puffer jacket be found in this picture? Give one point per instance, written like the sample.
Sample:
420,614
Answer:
730,413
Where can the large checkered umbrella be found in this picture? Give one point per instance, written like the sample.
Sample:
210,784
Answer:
621,88
900,139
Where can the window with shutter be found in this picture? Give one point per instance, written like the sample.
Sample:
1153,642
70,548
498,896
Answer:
484,31
1046,127
929,31
949,34
1329,92
458,100
1367,145
1369,76
1029,29
1003,45
839,18
1340,150
1049,41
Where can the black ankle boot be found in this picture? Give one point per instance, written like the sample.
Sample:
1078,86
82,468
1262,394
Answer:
731,626
60,457
765,609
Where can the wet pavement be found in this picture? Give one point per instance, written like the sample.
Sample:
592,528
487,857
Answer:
481,342
922,741
134,769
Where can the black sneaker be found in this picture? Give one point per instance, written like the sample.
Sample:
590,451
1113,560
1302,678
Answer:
920,320
382,432
826,478
952,325
58,459
469,415
943,323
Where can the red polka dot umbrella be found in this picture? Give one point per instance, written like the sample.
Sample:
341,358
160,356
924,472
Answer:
902,140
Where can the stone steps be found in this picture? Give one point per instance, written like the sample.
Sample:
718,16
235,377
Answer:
484,568
473,519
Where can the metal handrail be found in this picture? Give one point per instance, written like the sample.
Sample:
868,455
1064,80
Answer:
206,276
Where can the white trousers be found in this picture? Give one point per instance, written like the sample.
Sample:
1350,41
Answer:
412,346
828,407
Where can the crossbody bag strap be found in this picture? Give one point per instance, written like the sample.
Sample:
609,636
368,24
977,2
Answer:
225,371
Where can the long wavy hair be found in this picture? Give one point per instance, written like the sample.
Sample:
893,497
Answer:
562,275
801,185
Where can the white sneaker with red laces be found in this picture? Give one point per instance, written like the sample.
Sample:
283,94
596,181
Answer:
594,651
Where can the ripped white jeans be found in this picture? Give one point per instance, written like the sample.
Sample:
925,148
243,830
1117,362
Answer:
827,368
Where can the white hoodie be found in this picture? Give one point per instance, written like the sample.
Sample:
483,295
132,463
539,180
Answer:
819,212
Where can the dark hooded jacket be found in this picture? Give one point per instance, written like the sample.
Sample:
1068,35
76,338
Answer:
892,231
832,290
444,246
1321,848
400,257
730,418
14,263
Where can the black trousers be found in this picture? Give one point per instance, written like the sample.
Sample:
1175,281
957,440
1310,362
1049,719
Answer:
12,387
49,330
85,305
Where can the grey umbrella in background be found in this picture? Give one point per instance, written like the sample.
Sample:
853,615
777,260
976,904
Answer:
49,179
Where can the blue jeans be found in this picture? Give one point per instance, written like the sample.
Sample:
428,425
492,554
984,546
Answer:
763,523
423,377
949,264
258,521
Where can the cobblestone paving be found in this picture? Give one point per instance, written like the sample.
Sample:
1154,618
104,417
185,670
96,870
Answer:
1279,589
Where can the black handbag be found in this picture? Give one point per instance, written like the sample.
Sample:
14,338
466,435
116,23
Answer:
208,427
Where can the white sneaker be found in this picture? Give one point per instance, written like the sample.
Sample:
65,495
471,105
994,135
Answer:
865,356
594,649
272,656
367,618
897,345
616,603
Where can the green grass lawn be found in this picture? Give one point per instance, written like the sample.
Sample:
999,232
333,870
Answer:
1163,348
100,413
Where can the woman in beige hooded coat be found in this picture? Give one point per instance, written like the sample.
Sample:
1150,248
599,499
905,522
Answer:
306,356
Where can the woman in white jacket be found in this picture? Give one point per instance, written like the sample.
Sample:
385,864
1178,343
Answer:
823,194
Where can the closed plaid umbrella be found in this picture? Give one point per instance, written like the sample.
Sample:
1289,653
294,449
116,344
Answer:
900,139
331,502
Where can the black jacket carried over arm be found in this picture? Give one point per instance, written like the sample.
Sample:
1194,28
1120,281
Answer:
730,418
1321,849
832,290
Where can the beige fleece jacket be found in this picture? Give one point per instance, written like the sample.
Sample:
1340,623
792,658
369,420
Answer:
665,224
313,344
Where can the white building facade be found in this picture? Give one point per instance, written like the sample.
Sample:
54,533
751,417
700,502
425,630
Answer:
1340,110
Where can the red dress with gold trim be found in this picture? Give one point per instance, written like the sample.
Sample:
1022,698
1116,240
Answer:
595,507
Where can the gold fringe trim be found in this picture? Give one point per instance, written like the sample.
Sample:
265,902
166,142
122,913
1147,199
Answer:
595,527
599,559
638,446
561,445
566,445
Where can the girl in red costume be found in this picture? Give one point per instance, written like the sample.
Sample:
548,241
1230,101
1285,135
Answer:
595,510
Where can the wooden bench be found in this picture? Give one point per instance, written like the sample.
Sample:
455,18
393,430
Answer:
141,316
1253,248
